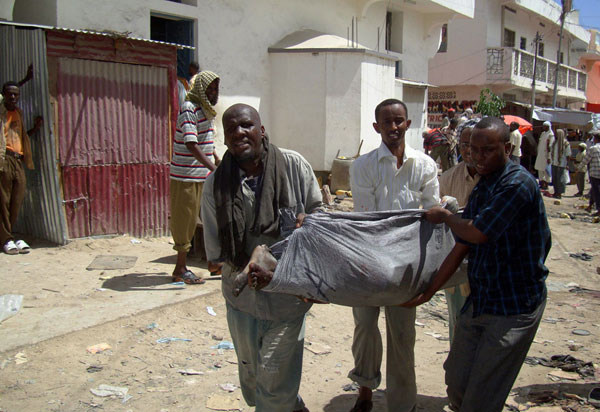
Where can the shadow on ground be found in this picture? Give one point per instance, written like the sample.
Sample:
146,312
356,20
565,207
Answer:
141,281
345,402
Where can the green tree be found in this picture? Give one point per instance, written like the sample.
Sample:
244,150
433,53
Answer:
489,104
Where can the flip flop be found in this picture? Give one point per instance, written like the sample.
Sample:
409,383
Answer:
10,248
188,278
362,405
23,246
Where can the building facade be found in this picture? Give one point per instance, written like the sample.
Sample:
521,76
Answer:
496,50
381,50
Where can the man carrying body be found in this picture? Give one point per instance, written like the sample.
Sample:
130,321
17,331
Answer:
543,160
515,143
192,161
505,232
392,177
240,210
15,150
458,182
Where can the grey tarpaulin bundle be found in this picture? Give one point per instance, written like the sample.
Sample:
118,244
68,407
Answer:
361,259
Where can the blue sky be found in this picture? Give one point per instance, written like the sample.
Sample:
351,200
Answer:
589,13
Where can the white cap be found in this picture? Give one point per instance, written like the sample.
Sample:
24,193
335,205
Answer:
547,123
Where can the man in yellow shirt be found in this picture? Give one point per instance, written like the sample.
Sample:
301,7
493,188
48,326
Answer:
15,150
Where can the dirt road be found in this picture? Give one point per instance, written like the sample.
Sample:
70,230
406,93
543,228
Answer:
44,364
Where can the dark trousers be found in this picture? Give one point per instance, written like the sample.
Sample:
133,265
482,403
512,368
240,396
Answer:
557,179
485,358
12,192
595,192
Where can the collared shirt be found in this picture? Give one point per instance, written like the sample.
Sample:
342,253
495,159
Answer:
507,273
7,125
592,158
305,193
378,184
457,182
192,126
560,161
515,139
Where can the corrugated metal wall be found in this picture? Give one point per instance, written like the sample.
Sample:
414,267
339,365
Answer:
42,213
114,147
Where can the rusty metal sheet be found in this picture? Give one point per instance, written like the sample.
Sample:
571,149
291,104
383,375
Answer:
144,202
77,200
112,113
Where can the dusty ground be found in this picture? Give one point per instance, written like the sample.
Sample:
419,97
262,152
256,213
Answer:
44,365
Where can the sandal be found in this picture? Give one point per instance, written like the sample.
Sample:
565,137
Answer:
23,246
362,405
10,248
188,278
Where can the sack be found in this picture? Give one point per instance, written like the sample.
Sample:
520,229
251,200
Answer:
361,259
566,179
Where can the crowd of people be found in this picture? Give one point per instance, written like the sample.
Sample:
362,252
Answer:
503,239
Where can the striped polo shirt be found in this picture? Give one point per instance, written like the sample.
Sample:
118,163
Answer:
192,126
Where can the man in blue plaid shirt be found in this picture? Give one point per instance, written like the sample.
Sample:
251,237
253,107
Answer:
504,230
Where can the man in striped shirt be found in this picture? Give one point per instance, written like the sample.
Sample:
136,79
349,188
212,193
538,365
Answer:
593,159
191,163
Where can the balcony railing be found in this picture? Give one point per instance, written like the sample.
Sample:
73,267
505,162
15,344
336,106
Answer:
510,64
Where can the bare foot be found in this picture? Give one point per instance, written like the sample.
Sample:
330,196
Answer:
259,277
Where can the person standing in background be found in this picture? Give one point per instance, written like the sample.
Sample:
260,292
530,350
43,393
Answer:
516,138
192,162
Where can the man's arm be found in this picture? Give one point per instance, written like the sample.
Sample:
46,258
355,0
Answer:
37,125
28,76
445,272
463,228
194,149
430,191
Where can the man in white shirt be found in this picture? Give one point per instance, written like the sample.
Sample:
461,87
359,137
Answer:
391,177
515,143
544,154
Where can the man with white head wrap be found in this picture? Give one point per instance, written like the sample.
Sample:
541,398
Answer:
544,154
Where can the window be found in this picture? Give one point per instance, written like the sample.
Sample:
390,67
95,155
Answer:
175,30
398,69
393,31
509,38
562,58
444,40
541,49
523,44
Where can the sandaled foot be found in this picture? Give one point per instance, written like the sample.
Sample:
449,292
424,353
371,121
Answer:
10,248
188,278
362,405
23,246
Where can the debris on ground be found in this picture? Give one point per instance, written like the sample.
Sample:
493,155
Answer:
9,305
190,372
581,256
170,339
100,347
218,402
109,390
565,362
211,311
317,348
228,387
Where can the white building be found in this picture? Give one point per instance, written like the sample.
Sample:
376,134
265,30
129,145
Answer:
495,49
315,69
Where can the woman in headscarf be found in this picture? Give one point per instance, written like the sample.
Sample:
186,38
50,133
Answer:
560,154
193,160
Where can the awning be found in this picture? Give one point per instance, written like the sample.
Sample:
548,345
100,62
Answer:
565,116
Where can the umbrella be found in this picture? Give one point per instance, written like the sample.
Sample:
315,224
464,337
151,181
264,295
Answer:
524,125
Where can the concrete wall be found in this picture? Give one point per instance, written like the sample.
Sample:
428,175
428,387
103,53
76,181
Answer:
233,37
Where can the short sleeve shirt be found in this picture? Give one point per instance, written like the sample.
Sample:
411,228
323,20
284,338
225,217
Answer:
192,126
507,273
